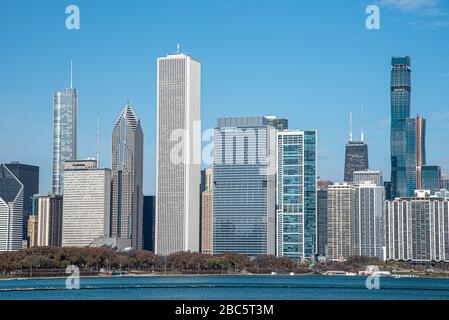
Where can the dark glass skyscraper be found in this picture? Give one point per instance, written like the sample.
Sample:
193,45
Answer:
149,214
400,99
431,178
29,176
356,159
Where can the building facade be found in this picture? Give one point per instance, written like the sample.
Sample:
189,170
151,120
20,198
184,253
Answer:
368,224
11,211
431,178
127,179
28,175
369,175
341,213
178,154
322,198
244,186
86,206
296,202
33,224
417,228
49,218
207,213
65,133
356,159
149,213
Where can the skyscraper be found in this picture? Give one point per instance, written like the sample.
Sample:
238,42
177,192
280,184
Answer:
356,156
400,98
445,181
341,211
86,208
244,186
29,176
11,211
369,175
207,213
49,218
65,132
368,225
127,179
322,197
296,201
178,154
431,178
417,228
149,211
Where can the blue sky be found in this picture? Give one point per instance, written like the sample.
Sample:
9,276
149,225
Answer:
309,61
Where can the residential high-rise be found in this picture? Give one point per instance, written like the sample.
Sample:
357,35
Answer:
296,201
341,213
368,223
417,228
49,230
149,212
356,156
86,205
244,186
369,175
431,178
322,195
400,98
29,176
127,179
207,213
65,132
178,154
11,211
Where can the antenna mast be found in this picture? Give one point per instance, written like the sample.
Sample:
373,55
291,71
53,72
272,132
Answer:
350,127
361,126
98,138
71,74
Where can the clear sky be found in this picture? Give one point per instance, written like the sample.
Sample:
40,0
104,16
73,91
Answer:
309,61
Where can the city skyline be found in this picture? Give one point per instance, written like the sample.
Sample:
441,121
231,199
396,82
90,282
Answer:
370,83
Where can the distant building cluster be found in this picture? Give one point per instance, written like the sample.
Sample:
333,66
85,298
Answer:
262,196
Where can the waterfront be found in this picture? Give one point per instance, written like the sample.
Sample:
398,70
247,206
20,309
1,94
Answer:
226,288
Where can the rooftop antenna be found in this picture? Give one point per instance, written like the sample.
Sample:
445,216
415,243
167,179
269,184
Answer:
350,127
98,138
178,48
361,126
71,74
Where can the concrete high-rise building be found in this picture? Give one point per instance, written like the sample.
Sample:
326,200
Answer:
341,213
368,223
65,133
86,205
322,198
49,230
32,231
178,154
296,200
445,181
29,176
127,179
207,213
244,186
11,211
417,228
149,212
369,175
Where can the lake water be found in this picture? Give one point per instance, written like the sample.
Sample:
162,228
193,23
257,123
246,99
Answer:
226,288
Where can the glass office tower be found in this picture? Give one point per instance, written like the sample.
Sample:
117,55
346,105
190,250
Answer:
431,178
400,99
296,194
64,134
244,186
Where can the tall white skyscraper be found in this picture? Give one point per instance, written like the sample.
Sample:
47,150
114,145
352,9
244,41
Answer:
86,205
11,211
65,128
178,154
127,179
